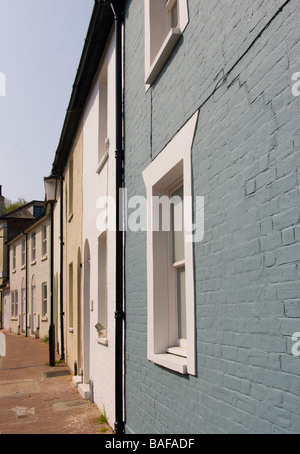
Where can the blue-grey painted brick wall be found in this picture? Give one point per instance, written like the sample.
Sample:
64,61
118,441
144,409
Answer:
246,164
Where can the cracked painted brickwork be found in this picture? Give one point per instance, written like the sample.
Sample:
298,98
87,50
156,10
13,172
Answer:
246,165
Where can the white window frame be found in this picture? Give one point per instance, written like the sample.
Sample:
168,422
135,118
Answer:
103,140
172,163
23,253
16,303
179,346
44,299
44,241
33,247
153,25
71,189
12,304
14,258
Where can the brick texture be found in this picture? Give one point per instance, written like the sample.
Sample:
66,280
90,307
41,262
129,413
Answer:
246,165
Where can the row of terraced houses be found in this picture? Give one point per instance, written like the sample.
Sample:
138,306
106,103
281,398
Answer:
165,265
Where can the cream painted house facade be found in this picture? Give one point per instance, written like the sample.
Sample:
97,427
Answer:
73,255
30,280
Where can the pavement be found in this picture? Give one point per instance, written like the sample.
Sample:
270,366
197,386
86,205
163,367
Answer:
38,399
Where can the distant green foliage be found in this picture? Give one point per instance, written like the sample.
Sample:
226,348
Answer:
11,206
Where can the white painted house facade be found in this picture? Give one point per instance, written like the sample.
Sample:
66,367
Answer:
98,241
30,280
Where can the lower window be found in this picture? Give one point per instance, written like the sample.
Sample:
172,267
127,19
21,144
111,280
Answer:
170,266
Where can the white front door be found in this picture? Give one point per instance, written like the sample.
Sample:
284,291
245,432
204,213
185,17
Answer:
6,312
23,310
33,309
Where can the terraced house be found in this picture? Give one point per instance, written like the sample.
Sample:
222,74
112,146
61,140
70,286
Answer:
13,224
209,112
30,280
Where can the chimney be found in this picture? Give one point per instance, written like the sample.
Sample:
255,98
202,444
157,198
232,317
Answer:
1,202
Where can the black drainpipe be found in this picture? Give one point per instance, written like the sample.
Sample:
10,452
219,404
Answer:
119,315
26,283
62,346
117,9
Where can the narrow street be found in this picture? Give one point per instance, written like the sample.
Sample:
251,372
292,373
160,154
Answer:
37,399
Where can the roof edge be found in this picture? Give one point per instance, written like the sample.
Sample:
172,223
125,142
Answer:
95,43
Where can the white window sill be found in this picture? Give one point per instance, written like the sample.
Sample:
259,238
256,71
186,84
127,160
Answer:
102,162
173,362
44,258
71,330
33,262
102,341
14,271
23,267
70,217
163,55
178,351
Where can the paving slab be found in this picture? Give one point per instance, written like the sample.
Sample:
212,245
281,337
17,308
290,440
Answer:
38,399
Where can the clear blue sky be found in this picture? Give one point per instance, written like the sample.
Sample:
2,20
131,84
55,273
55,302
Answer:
40,48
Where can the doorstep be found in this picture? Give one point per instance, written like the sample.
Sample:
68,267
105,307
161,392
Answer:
84,391
77,380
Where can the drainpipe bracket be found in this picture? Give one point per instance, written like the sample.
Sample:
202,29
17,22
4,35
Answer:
119,428
120,315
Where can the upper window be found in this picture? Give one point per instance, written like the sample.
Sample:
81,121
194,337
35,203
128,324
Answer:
44,241
33,247
14,258
103,145
71,183
165,21
170,262
23,253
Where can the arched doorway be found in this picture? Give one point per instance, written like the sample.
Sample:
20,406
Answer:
86,314
23,306
79,317
33,306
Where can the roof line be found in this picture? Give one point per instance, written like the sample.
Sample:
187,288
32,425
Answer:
97,36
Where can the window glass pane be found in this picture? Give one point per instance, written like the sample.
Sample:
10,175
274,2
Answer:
178,226
16,303
44,300
182,331
23,253
174,16
33,246
44,245
71,187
